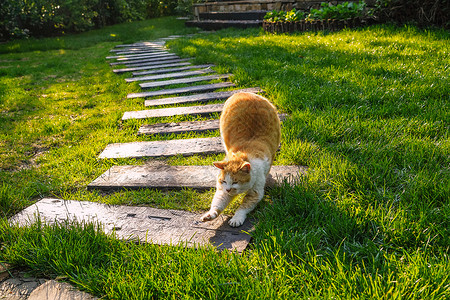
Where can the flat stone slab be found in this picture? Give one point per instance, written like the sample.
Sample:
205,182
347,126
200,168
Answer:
205,97
141,61
170,75
144,56
152,225
182,90
180,127
53,289
183,80
200,110
186,147
171,70
138,54
157,63
160,66
167,177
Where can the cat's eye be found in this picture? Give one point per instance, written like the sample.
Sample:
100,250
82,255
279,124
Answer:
235,182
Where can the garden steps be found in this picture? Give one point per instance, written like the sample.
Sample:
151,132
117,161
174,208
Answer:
138,54
160,66
170,75
202,97
139,223
183,90
165,177
144,56
183,127
201,110
142,61
168,70
179,127
156,149
163,83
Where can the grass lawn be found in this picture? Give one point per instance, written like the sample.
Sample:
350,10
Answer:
369,115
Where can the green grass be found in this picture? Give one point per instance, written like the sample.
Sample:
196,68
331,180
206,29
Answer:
369,116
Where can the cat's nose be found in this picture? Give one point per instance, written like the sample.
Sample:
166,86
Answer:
228,190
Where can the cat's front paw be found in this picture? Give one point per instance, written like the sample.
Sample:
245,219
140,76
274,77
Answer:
237,220
210,215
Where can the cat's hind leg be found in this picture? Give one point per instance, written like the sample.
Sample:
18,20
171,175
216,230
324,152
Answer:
251,199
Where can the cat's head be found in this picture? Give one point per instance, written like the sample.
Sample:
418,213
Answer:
234,177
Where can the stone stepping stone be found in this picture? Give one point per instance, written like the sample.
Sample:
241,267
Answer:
201,110
182,90
146,224
170,75
176,128
145,57
161,66
162,57
142,51
158,62
205,97
166,177
183,81
170,70
139,45
182,127
186,147
144,54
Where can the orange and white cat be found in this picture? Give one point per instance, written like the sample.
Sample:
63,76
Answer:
250,131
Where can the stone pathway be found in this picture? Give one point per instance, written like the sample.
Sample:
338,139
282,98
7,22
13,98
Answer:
17,285
163,72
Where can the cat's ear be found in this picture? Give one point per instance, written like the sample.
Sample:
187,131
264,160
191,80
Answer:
220,164
246,167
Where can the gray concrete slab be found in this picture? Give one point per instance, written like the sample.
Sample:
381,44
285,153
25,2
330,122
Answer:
54,290
140,61
139,54
186,147
170,75
166,177
183,80
153,67
204,97
180,127
146,224
183,90
201,110
171,70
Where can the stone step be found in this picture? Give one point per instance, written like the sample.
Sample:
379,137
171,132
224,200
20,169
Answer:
146,57
153,67
221,24
131,63
134,54
145,224
170,75
166,177
201,110
158,62
183,127
182,90
236,15
205,97
186,147
183,81
177,128
170,70
139,56
138,45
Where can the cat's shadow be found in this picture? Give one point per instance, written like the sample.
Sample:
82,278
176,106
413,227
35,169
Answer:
227,237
